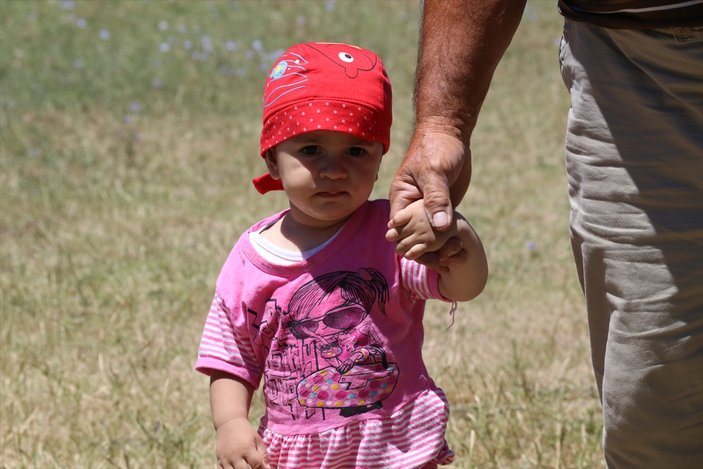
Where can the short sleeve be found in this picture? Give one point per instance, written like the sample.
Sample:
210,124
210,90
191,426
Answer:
225,347
420,281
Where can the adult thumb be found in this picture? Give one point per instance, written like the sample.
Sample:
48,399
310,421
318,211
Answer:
438,205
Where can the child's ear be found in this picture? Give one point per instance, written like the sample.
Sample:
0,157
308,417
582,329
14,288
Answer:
270,159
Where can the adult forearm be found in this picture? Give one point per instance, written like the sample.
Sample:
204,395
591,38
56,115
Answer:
462,42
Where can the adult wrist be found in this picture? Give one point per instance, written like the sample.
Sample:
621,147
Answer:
452,126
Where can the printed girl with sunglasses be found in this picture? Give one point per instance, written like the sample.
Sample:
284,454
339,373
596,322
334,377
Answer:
315,302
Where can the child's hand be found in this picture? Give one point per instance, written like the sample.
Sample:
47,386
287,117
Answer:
239,446
455,253
417,240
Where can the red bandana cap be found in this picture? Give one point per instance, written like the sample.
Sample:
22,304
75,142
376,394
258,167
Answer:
325,86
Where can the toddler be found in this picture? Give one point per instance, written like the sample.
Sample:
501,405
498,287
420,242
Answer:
316,302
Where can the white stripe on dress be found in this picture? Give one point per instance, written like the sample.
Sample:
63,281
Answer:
219,342
414,277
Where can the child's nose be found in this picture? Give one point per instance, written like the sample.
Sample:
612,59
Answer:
333,168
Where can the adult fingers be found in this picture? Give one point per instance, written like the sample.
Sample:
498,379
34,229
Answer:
443,190
451,253
413,181
452,247
456,258
430,259
403,190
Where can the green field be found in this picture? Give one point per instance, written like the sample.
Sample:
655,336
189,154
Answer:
128,137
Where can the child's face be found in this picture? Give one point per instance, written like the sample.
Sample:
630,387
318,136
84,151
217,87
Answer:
326,175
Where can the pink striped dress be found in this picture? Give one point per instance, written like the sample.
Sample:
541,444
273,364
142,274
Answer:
336,339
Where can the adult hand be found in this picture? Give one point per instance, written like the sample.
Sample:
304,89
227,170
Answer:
437,169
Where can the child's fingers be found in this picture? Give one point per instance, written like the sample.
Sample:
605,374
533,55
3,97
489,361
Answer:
261,449
264,456
404,236
416,251
405,243
255,460
232,463
257,457
401,218
399,232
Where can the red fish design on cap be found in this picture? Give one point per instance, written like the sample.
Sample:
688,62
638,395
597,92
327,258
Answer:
350,58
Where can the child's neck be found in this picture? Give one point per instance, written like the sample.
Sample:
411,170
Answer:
287,233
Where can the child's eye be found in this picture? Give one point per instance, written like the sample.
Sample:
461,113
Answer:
311,150
357,151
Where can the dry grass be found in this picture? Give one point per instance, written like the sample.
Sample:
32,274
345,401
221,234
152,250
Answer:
116,217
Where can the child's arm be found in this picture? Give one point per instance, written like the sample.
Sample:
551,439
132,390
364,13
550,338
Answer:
237,441
461,279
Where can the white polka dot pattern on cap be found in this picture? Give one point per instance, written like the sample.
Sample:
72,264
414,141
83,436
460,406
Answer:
329,115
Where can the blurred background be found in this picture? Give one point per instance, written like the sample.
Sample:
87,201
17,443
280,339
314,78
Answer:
128,137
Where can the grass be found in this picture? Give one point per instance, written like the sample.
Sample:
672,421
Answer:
128,136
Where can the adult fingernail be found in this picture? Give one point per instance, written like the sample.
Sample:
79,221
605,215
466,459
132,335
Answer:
439,219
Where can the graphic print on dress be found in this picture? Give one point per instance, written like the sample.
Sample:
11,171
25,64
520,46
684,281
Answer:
329,354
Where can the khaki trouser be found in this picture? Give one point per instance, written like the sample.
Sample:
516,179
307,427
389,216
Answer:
634,157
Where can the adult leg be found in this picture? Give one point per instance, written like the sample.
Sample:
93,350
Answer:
634,156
